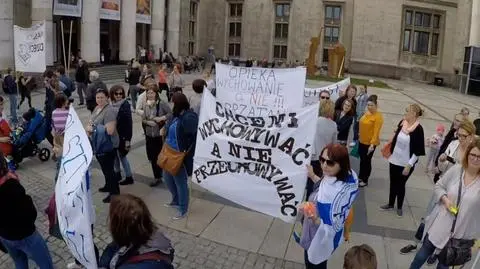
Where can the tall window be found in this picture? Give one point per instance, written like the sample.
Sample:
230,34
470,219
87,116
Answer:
333,23
234,28
280,41
192,26
421,32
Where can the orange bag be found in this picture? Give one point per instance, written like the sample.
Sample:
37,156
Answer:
387,150
170,160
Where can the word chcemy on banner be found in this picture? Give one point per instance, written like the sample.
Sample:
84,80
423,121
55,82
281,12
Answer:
312,95
72,193
255,161
30,49
255,91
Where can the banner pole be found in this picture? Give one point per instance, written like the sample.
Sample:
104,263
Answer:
69,47
63,44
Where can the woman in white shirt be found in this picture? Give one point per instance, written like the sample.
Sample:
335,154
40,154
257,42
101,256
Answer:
408,144
456,149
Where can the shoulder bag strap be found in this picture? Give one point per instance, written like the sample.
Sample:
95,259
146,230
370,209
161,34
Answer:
458,201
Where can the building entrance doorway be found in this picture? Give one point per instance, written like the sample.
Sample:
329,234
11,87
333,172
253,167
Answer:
109,42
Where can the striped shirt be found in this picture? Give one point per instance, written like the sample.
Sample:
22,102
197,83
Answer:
59,119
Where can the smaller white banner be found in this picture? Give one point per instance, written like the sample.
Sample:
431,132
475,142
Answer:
258,162
73,195
110,10
312,95
254,91
72,8
30,48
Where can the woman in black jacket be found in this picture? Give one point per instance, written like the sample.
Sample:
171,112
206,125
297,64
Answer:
124,130
344,120
350,94
18,233
408,144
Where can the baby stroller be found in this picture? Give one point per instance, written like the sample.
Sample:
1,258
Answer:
27,137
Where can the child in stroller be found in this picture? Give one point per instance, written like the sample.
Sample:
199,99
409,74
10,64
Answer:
26,138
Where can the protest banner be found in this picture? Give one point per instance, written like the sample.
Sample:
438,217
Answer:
312,95
72,193
256,161
29,47
252,91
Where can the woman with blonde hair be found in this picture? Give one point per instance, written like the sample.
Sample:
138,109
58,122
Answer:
408,144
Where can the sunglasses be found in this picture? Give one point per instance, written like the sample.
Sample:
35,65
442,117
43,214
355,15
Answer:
118,93
327,162
324,97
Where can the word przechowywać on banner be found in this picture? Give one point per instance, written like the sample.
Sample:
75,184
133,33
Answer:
72,193
254,91
258,162
29,47
312,95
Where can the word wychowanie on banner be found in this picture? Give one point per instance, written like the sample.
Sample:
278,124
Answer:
257,91
29,48
73,195
312,95
256,161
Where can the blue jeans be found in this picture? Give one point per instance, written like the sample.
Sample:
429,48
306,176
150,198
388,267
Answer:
33,247
178,187
125,164
13,108
425,251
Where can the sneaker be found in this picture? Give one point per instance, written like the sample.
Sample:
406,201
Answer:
400,213
432,260
155,183
386,207
126,181
73,265
362,184
408,249
170,205
352,144
180,216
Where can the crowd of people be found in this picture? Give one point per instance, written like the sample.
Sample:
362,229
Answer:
170,129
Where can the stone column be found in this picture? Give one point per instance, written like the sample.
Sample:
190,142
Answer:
157,29
90,32
7,58
128,30
475,24
173,27
43,10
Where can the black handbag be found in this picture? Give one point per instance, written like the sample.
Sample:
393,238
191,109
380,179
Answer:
456,251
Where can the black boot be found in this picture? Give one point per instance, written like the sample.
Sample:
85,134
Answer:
103,189
126,181
155,183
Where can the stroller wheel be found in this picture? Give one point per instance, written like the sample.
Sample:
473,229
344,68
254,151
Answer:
44,154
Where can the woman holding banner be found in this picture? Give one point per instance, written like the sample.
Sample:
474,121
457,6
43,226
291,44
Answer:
328,207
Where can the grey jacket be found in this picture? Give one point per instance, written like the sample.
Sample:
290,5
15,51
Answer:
93,87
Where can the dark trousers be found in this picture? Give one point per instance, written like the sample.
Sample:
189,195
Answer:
309,265
107,163
164,87
25,94
317,168
153,145
436,177
397,185
356,129
365,162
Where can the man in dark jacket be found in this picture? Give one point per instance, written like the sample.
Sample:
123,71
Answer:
96,84
10,88
18,233
81,77
65,80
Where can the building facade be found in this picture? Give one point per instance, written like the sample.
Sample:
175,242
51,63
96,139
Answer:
110,31
391,38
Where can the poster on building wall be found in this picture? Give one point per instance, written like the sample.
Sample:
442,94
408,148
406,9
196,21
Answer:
144,11
30,48
72,8
254,91
110,10
258,162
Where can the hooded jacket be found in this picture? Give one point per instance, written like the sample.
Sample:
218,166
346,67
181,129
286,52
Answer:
115,257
